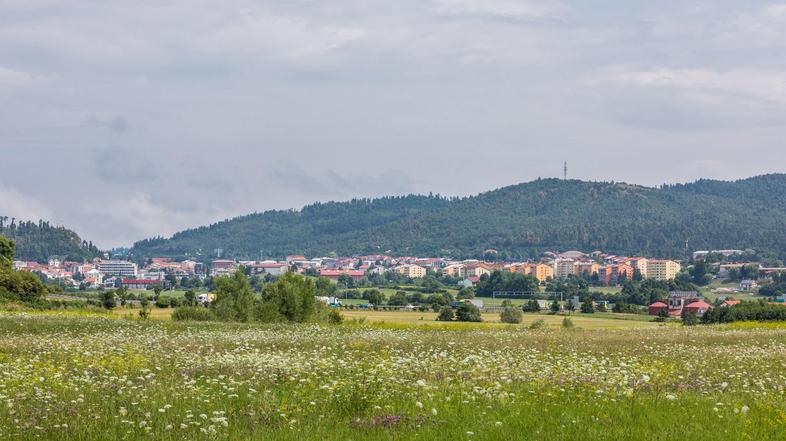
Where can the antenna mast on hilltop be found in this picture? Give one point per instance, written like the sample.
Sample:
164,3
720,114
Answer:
565,171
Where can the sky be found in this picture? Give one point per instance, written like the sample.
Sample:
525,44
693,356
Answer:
130,119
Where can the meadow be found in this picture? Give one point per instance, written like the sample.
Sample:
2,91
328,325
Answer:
95,377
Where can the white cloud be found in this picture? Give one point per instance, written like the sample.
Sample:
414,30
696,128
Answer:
23,207
503,8
13,78
743,84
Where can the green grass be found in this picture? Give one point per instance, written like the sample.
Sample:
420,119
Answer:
91,377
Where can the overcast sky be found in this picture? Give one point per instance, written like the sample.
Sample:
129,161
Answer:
129,119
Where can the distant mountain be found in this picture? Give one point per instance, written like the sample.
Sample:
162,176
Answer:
38,241
518,221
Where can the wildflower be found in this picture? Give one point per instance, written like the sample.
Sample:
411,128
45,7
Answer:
671,397
744,409
434,411
419,404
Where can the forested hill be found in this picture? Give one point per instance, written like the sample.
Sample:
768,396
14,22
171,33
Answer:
38,241
518,221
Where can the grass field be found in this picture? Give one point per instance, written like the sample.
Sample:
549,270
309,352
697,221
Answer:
80,377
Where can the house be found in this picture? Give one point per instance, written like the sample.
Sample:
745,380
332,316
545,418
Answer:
411,271
657,307
334,274
727,303
698,307
272,268
454,270
678,300
748,285
222,267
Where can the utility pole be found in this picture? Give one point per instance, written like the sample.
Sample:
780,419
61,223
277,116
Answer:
565,170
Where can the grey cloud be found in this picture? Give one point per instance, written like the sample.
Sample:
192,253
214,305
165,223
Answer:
221,111
124,166
331,183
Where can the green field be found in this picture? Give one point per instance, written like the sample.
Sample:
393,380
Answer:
78,376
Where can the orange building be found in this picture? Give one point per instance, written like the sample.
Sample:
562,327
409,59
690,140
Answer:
612,275
540,271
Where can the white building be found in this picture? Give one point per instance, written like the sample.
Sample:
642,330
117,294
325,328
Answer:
121,268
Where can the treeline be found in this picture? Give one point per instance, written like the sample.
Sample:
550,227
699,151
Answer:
517,222
760,311
39,241
19,286
291,298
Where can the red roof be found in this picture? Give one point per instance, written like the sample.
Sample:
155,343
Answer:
659,305
139,282
698,305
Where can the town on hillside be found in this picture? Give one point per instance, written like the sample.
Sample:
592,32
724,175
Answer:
592,269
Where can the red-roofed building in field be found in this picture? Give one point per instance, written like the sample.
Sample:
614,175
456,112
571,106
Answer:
698,308
657,307
333,274
727,303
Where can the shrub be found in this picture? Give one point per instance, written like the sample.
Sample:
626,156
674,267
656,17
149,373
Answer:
588,306
467,312
538,324
531,306
510,315
689,318
334,317
108,299
175,302
445,314
162,301
567,323
192,313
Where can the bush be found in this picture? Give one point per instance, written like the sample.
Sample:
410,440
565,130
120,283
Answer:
689,318
108,299
531,306
445,314
538,324
510,315
567,323
467,312
193,314
175,302
162,301
334,317
588,306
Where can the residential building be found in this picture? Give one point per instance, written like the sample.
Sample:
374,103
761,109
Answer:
662,269
454,270
222,267
748,285
272,268
333,274
540,271
564,268
411,271
139,283
613,275
640,264
117,268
